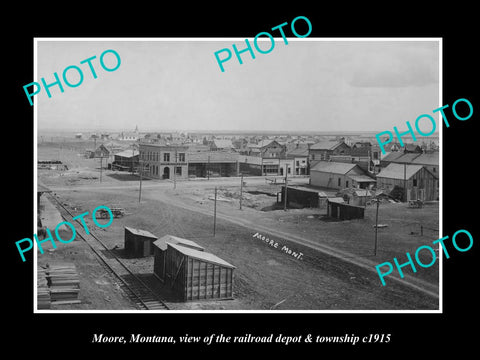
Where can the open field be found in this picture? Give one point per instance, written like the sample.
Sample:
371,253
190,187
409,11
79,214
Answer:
265,277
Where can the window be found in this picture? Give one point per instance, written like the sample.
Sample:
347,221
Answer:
270,169
288,170
346,183
298,163
181,157
178,170
414,182
339,182
166,157
156,156
434,169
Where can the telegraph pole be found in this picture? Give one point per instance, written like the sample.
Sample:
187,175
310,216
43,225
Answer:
208,168
101,165
175,171
215,212
140,162
241,191
286,185
376,227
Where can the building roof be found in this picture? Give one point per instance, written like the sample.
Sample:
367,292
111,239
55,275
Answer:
430,158
201,255
325,145
212,156
333,167
223,144
394,155
140,232
262,143
298,151
127,153
170,239
361,178
399,171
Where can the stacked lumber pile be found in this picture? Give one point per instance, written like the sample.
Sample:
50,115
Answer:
43,293
64,283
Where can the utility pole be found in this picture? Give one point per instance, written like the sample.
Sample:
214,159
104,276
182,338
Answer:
175,171
405,180
208,168
215,212
286,186
241,191
141,170
376,227
101,166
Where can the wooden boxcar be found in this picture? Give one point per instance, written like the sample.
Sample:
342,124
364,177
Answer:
193,274
139,243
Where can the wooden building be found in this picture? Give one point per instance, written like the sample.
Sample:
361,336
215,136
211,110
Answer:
343,211
324,149
300,197
126,160
192,273
420,183
338,175
139,243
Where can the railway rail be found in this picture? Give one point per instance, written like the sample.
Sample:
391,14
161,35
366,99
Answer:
136,289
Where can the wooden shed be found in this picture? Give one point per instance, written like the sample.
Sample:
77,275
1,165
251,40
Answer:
193,274
139,243
343,211
160,252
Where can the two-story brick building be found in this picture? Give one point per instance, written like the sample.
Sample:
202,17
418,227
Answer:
163,161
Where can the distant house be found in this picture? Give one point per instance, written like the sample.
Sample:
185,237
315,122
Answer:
216,145
267,157
421,184
267,149
299,154
324,149
125,136
336,175
78,135
412,148
100,152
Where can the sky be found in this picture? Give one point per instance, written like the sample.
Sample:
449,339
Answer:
308,85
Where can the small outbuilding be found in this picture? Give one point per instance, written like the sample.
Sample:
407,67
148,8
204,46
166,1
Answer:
139,243
343,211
192,273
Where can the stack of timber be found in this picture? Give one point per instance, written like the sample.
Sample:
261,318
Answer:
43,293
64,283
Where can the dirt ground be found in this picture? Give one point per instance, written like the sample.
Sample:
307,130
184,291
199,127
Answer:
265,277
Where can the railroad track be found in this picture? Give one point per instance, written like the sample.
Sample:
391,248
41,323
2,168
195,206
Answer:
136,289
